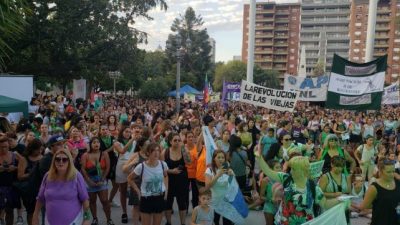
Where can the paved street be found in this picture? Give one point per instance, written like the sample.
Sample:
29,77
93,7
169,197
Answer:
254,218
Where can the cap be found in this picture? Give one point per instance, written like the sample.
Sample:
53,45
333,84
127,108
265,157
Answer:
55,139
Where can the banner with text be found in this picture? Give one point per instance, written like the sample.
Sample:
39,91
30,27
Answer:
230,91
355,86
310,89
79,89
257,95
391,96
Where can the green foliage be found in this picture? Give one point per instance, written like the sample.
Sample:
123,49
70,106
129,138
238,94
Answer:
196,60
75,38
12,23
154,89
155,64
235,71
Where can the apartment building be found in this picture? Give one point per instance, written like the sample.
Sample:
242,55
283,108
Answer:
276,36
387,40
324,31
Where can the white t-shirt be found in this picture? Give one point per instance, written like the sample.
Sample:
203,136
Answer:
152,179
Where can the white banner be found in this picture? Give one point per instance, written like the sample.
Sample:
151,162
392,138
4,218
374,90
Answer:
391,96
309,89
79,89
280,100
356,85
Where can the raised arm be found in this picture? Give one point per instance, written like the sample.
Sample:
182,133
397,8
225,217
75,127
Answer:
265,168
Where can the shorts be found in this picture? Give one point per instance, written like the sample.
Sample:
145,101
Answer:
133,198
120,176
152,204
29,203
181,199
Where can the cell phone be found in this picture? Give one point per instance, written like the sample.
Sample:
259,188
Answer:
225,165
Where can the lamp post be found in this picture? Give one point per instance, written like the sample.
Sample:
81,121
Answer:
114,75
180,52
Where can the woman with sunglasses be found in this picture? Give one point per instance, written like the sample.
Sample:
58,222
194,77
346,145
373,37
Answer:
383,196
178,184
336,183
63,190
280,151
331,149
95,167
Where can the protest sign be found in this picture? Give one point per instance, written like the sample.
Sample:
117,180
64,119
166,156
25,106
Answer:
391,95
354,86
316,169
257,95
310,89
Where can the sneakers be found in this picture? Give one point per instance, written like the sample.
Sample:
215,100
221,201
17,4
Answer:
110,222
20,221
115,204
124,218
95,221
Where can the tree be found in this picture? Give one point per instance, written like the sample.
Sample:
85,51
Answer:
74,38
235,71
155,64
319,68
154,89
196,60
12,23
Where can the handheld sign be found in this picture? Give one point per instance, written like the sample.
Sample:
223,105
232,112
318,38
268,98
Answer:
316,169
257,95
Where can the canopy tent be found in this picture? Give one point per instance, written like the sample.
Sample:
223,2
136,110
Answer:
8,104
185,89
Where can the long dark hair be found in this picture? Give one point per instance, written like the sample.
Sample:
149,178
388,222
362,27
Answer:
91,142
213,164
234,143
121,133
35,144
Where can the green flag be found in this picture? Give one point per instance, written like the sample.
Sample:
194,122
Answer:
355,86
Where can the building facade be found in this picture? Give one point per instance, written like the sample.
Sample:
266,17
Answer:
387,40
276,37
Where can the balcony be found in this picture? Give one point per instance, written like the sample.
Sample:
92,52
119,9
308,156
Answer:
267,19
280,52
282,12
280,60
265,11
324,21
265,43
265,35
281,36
383,19
269,27
281,44
281,28
281,20
384,10
314,12
260,60
263,51
381,45
381,28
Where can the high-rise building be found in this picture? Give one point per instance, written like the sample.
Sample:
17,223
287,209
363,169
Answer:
211,41
276,36
387,40
324,31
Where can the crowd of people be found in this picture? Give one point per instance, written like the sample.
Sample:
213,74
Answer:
69,153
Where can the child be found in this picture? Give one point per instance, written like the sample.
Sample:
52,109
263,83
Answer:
203,214
272,193
359,188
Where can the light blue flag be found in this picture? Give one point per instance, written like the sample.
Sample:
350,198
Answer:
209,143
334,216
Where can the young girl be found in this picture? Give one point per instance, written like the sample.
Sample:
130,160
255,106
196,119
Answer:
266,191
203,214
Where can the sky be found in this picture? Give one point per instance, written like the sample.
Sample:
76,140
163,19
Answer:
222,18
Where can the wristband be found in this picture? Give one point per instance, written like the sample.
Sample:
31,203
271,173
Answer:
87,215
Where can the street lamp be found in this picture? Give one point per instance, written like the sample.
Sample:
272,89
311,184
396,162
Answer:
180,52
114,75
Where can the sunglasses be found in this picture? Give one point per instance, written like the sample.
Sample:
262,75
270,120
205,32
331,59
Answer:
287,139
176,140
61,159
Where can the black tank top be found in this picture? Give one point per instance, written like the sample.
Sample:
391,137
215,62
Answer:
384,205
176,178
8,178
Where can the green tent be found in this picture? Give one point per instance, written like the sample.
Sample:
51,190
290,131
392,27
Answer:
8,104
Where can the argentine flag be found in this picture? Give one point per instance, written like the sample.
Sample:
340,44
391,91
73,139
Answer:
209,143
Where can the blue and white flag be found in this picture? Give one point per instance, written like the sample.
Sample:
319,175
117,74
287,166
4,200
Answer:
235,197
209,143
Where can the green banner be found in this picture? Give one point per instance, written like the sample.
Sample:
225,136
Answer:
355,86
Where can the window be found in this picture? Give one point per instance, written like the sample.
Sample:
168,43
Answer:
357,33
358,24
291,66
292,50
356,50
294,17
357,41
291,57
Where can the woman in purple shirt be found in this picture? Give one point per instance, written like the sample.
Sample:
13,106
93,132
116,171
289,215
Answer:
64,193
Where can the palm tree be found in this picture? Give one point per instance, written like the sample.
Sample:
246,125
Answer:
12,21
